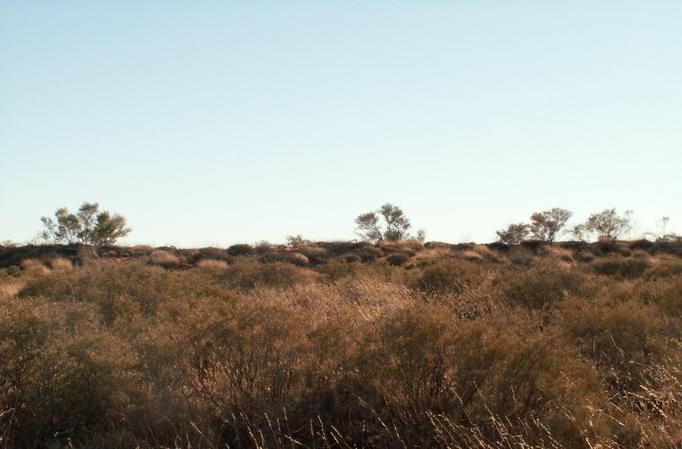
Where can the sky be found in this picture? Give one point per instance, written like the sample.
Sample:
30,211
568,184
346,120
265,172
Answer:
211,123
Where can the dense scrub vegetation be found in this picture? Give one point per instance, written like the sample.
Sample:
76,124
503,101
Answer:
342,345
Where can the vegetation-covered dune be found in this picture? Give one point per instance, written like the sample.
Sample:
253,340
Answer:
321,345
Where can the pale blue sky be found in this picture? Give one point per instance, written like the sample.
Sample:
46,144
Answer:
209,123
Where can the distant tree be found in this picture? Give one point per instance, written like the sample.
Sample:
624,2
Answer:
546,225
608,225
663,235
107,229
514,233
662,225
296,241
65,227
387,223
89,226
579,232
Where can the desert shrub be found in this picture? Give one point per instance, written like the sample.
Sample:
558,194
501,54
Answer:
604,247
627,268
112,287
439,245
446,277
670,244
535,246
13,270
521,257
643,245
398,259
336,269
118,354
315,254
351,258
625,339
297,259
398,247
584,256
211,253
265,247
535,288
422,362
664,268
560,253
666,294
370,254
240,249
639,254
247,274
280,274
62,375
248,358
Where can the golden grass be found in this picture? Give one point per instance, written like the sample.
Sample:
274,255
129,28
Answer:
161,257
212,264
10,288
472,256
61,264
34,267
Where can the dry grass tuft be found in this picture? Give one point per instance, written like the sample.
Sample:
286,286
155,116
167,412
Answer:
10,288
34,267
212,264
163,258
472,256
61,264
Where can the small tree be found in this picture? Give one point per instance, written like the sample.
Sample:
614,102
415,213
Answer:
579,232
107,229
387,223
65,229
514,233
546,225
608,225
296,241
88,226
